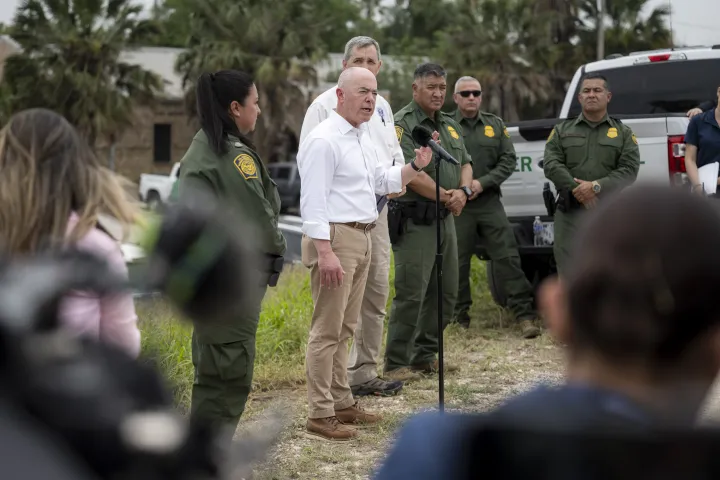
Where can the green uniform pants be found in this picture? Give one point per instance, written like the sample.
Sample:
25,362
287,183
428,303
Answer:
412,328
223,355
484,219
565,226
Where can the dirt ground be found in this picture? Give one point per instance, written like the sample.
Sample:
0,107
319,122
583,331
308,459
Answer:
494,364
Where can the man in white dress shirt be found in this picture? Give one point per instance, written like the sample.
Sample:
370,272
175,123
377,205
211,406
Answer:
365,351
340,174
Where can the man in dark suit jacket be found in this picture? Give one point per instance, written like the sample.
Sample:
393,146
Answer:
640,318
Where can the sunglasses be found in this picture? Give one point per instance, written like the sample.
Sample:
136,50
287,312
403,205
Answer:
467,93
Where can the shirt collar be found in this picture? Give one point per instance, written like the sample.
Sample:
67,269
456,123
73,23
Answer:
459,117
344,127
581,118
709,117
422,116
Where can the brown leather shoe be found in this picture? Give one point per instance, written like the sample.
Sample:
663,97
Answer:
356,415
434,367
330,428
403,374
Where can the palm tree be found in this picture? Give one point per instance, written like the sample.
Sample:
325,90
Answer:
497,42
627,29
277,42
70,62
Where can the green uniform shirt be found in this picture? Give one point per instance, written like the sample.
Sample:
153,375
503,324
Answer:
450,132
606,152
488,142
241,181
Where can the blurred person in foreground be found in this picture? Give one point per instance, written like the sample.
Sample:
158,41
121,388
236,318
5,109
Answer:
365,350
52,191
641,323
341,171
222,160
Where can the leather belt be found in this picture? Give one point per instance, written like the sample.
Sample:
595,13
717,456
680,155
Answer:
361,226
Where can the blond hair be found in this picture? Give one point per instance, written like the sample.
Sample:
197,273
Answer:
47,172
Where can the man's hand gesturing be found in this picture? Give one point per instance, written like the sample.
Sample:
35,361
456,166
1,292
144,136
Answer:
423,156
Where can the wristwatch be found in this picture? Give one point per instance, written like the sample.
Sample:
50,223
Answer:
596,187
414,166
467,191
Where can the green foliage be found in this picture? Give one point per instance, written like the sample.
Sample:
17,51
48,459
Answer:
276,41
523,51
70,62
281,337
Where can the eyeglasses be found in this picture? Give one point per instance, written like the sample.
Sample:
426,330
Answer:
467,93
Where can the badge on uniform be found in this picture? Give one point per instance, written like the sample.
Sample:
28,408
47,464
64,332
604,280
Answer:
612,132
246,166
489,131
453,133
398,131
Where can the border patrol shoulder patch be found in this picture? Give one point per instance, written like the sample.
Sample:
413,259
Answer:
634,139
505,131
552,133
399,132
246,166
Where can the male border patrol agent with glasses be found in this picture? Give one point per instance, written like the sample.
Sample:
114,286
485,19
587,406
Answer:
483,218
586,158
413,327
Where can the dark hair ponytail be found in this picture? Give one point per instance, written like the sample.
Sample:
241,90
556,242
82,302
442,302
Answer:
215,92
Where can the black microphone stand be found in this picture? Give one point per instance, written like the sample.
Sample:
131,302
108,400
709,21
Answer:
438,275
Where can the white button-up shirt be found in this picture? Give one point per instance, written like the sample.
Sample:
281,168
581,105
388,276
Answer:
340,173
381,126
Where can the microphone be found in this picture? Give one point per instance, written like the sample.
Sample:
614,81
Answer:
423,136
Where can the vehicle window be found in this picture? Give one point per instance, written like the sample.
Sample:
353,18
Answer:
280,173
662,87
294,244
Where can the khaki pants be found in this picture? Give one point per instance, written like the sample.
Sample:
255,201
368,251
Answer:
335,316
365,349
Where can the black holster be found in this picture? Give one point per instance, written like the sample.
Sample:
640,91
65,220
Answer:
396,220
274,266
567,203
423,213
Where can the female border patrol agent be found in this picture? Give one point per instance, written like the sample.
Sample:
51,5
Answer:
222,160
702,142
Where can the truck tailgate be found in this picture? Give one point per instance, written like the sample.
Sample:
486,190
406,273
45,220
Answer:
652,135
522,192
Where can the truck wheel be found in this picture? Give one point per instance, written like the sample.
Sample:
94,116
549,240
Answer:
153,201
497,290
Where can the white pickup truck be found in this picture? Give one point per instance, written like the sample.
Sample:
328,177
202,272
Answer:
651,93
155,189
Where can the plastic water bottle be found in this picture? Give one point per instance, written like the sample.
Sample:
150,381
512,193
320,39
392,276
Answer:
538,232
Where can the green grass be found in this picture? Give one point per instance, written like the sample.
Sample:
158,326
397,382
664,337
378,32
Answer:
282,332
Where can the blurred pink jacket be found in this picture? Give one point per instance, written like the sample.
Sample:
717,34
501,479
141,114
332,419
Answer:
110,319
